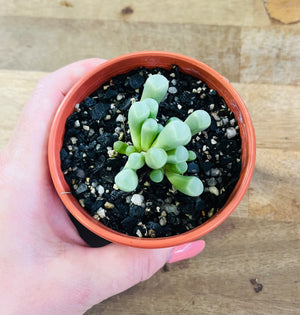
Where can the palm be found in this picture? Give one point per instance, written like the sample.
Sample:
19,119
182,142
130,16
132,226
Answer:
54,216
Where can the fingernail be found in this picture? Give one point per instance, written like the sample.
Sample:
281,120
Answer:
186,251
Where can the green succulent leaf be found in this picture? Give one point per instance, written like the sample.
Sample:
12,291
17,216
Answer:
127,180
192,156
174,134
120,147
130,149
178,155
198,121
156,158
160,147
189,185
138,113
153,107
157,175
179,168
135,161
156,87
148,133
172,119
160,128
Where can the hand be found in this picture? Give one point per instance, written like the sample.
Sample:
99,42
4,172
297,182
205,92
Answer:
45,266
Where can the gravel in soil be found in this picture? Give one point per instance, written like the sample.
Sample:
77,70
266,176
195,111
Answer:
90,164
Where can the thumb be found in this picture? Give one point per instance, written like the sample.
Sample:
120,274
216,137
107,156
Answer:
28,144
115,268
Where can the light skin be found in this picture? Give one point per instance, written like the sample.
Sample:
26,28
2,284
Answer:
45,267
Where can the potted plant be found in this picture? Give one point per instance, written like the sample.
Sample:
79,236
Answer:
105,76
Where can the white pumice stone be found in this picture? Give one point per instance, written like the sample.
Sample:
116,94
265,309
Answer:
139,233
170,208
225,121
214,190
120,118
100,190
163,221
215,172
172,90
111,153
137,199
213,141
74,140
215,116
230,133
101,212
232,122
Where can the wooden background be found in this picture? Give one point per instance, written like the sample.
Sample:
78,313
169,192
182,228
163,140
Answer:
256,45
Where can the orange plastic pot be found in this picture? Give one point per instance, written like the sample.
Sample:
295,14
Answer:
124,64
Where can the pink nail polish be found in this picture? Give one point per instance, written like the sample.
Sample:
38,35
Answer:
186,251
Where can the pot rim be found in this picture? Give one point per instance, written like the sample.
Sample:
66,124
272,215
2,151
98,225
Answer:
191,66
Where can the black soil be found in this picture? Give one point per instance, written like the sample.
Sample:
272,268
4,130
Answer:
89,164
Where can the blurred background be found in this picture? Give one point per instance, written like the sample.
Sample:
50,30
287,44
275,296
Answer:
251,264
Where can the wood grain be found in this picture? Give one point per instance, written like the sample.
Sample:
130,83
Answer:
270,55
47,44
189,287
13,98
202,12
260,56
275,189
275,112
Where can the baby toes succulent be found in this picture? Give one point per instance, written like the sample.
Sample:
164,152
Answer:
161,148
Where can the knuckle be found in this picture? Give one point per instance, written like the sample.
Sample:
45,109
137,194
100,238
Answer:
143,267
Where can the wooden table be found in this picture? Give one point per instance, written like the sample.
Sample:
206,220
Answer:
256,45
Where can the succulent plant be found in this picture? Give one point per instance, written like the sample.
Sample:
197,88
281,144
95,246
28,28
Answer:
161,148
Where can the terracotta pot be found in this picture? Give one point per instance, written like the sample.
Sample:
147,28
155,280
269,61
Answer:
124,64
